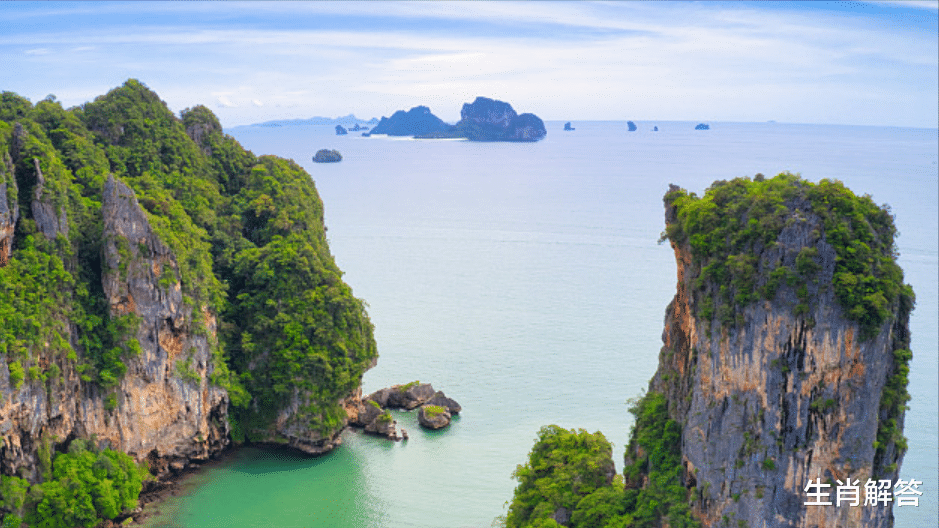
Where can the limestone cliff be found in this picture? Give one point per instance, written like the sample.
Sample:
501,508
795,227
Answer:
169,408
163,292
9,207
775,373
164,408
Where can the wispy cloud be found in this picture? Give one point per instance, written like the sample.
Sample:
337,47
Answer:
224,101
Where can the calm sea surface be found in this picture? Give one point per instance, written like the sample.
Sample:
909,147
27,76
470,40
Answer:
525,281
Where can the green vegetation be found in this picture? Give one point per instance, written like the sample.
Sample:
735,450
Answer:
731,227
249,248
408,386
568,471
654,451
81,488
571,473
433,410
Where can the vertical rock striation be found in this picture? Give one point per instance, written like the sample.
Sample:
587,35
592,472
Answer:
163,292
164,408
9,207
169,409
775,377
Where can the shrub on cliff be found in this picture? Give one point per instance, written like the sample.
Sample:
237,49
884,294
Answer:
737,220
654,456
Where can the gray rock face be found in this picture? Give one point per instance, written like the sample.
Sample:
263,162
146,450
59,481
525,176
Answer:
409,396
50,220
159,414
9,207
381,396
171,414
368,411
384,425
778,400
433,417
440,399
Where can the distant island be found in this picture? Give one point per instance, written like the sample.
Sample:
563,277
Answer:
703,126
418,121
632,126
567,126
347,121
327,156
482,120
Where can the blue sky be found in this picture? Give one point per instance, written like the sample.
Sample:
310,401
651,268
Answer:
864,63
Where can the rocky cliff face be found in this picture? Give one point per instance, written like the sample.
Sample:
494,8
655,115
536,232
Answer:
164,408
781,390
163,292
9,207
170,410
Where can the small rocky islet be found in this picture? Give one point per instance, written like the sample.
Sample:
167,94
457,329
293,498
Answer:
371,413
327,156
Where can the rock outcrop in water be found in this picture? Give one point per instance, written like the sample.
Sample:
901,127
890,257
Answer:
702,126
631,126
327,156
776,369
568,127
433,416
370,413
341,130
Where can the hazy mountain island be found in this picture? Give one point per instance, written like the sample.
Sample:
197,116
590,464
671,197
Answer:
346,121
482,120
785,359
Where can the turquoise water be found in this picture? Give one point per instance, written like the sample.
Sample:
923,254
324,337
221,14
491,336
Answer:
525,281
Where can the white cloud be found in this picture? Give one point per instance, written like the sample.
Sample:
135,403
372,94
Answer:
224,102
256,102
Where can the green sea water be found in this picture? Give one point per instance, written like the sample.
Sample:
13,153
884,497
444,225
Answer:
525,281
